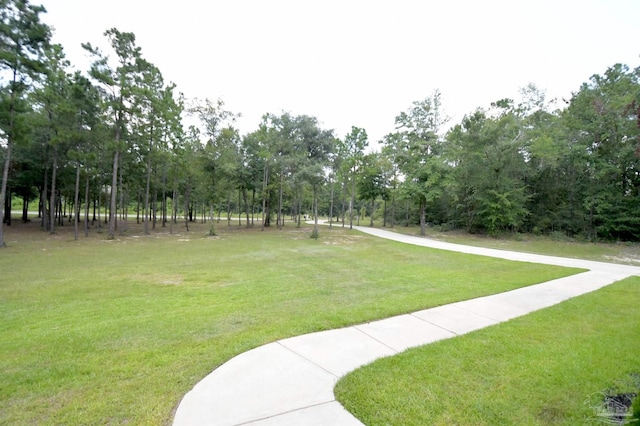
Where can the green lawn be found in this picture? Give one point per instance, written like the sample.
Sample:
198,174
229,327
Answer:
112,332
548,367
555,245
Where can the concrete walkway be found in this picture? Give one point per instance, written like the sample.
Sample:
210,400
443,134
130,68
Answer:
291,381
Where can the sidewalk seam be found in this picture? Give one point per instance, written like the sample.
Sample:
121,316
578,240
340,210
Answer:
357,327
279,342
413,314
284,413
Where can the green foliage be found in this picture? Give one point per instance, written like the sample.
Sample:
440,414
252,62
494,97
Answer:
514,166
417,148
603,119
489,186
22,41
522,166
353,149
500,211
371,184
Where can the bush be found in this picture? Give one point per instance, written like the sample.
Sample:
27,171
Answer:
559,236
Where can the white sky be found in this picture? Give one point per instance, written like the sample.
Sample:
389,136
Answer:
352,62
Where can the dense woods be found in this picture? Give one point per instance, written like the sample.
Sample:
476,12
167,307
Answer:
112,139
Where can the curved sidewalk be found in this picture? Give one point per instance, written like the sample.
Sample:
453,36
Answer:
291,381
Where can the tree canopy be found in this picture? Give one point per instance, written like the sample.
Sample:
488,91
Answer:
112,140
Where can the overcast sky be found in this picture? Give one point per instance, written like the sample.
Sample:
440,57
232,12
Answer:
360,63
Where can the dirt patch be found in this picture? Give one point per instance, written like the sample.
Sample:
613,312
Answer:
342,240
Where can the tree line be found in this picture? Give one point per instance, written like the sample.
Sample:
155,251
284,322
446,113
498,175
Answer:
112,141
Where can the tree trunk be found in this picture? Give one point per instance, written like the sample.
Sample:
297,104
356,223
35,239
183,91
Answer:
7,159
353,201
154,207
98,219
264,194
246,204
280,218
253,204
393,209
267,213
174,206
25,209
77,200
147,213
86,208
123,204
93,219
114,194
6,208
43,201
229,208
344,203
331,207
423,226
59,210
315,210
186,208
52,203
406,212
3,189
373,206
138,207
40,204
164,196
384,214
107,211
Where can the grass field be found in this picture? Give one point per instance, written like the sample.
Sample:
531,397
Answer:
114,332
554,245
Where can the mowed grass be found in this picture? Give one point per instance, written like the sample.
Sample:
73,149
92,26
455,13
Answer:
546,368
555,245
114,332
